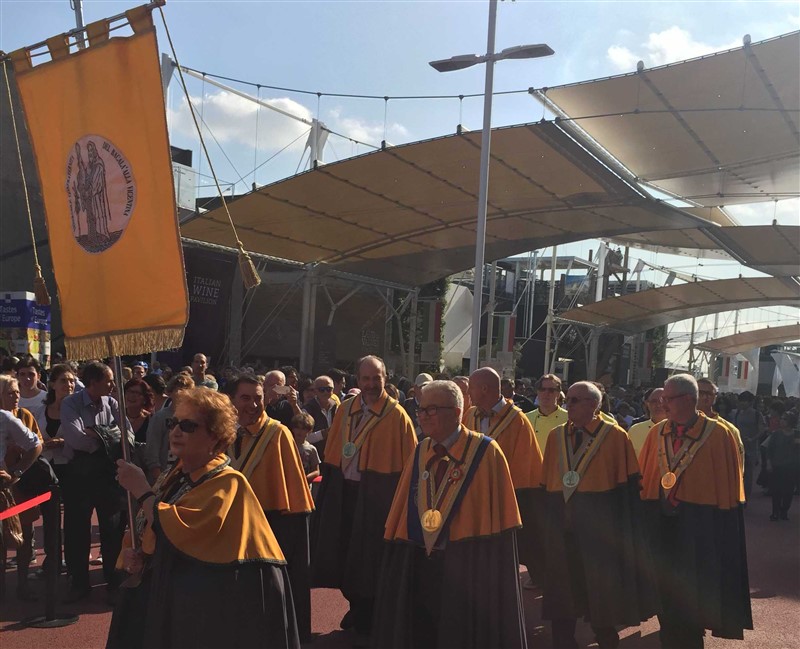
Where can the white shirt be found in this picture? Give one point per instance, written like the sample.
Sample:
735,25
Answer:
30,403
12,429
495,408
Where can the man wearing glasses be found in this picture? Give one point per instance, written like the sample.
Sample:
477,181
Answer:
693,503
322,408
450,576
549,414
706,396
598,565
655,407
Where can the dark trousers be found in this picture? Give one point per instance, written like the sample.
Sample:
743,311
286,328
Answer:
92,488
781,484
564,635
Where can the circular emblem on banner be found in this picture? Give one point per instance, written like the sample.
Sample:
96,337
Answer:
101,191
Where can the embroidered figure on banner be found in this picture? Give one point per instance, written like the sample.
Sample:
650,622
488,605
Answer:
101,191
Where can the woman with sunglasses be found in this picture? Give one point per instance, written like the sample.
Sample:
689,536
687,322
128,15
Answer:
212,573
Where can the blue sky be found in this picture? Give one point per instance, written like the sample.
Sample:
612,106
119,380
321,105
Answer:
383,48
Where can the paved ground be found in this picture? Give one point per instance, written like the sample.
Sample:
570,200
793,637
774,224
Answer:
773,557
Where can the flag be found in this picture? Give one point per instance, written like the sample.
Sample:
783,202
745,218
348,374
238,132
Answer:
98,128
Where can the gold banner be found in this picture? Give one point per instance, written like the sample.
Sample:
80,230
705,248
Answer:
97,124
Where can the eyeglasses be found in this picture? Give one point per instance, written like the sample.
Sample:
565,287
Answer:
667,399
139,392
707,393
548,390
324,388
186,425
431,411
571,400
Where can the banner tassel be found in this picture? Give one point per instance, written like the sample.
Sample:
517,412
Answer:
250,276
40,288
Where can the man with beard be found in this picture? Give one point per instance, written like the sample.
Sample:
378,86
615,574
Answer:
368,444
265,452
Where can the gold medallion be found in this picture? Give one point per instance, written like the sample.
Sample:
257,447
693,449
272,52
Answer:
668,480
431,520
571,479
349,450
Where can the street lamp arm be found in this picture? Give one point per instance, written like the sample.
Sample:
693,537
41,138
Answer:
457,62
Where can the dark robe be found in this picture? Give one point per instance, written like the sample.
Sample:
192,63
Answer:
466,592
279,482
348,525
206,584
699,545
598,563
517,440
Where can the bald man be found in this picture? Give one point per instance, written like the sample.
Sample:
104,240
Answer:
505,423
280,399
369,442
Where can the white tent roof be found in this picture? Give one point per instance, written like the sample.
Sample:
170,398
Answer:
638,312
740,342
717,130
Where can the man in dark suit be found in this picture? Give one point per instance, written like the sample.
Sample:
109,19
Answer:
322,408
411,403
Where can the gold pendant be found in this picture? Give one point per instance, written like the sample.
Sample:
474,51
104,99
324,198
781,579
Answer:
668,480
431,520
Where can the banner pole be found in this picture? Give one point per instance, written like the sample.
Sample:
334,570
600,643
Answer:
133,580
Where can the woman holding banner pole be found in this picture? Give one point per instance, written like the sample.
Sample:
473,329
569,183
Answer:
204,545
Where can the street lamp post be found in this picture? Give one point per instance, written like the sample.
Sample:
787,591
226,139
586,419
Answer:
459,63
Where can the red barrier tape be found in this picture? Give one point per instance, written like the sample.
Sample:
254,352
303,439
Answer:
28,504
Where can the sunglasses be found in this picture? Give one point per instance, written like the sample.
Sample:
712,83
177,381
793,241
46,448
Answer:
573,400
324,388
186,425
551,390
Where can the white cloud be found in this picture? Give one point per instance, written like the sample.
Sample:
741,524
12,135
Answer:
667,46
369,132
232,120
622,58
786,212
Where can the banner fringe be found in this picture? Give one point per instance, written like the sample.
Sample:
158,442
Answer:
124,343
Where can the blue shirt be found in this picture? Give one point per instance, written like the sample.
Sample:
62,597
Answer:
79,412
